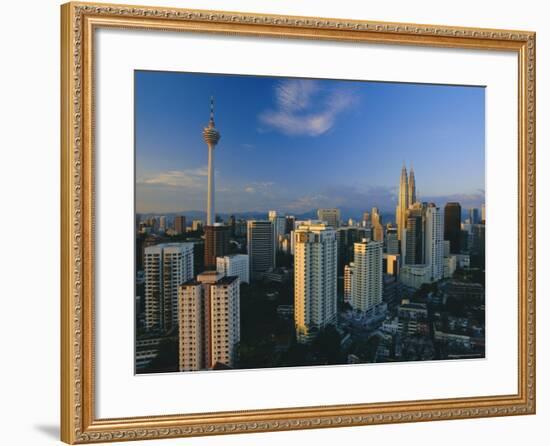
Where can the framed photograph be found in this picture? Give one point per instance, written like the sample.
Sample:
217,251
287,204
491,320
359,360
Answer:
274,223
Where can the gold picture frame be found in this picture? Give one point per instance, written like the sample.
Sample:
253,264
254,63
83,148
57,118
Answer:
78,23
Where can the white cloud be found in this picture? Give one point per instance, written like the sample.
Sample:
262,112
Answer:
189,178
303,108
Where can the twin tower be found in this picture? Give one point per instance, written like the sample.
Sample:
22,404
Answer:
407,197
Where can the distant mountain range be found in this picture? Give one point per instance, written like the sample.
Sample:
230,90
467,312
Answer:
346,214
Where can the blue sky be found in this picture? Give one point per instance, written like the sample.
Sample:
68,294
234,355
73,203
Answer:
298,144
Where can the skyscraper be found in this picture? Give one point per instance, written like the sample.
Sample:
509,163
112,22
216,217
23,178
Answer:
377,228
474,215
261,247
315,278
367,275
402,203
412,244
434,249
330,216
180,224
216,243
392,242
452,230
167,265
209,330
412,188
279,227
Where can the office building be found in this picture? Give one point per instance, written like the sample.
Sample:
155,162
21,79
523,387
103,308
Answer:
329,216
377,228
261,252
279,228
167,265
412,243
315,278
216,243
452,229
234,265
402,203
474,215
180,224
391,240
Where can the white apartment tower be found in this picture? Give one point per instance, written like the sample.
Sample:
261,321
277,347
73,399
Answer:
367,286
434,247
209,330
234,265
166,266
315,277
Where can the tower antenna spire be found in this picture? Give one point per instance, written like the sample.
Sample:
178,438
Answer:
212,109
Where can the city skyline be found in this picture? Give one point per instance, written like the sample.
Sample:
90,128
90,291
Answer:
282,138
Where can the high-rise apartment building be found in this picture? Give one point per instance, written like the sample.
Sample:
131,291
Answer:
261,252
330,216
433,236
166,265
367,275
234,265
452,229
209,329
315,278
180,224
346,238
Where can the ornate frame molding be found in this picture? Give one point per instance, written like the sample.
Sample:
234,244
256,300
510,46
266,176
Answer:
78,424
